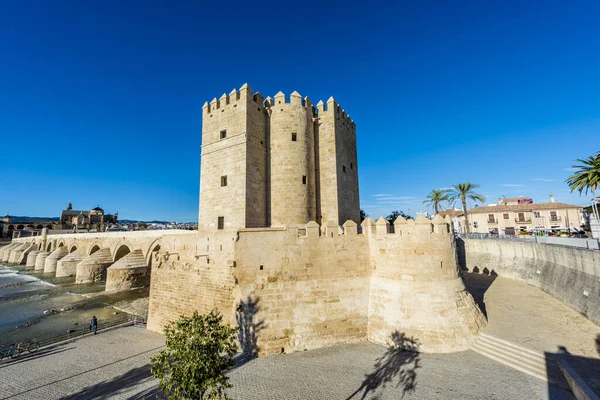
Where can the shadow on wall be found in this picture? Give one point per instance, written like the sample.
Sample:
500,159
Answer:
461,254
477,284
248,328
400,362
598,344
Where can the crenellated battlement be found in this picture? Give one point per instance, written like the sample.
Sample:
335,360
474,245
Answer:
380,228
245,92
332,108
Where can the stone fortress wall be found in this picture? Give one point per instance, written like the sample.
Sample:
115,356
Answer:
279,177
570,274
293,289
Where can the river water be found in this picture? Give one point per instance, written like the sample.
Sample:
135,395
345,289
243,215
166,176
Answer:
34,305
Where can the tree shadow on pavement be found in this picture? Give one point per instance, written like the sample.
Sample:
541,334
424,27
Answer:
248,330
113,386
400,361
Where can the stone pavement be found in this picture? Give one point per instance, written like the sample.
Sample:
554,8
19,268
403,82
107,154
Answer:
114,365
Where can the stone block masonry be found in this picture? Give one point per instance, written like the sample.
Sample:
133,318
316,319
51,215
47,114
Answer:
290,290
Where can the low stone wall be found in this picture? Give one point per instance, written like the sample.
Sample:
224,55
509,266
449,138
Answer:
570,274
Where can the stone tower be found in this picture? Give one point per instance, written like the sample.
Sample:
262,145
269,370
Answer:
233,174
276,162
292,160
337,173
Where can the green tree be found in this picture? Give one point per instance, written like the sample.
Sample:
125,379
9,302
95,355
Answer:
363,215
199,349
395,214
464,192
435,198
586,176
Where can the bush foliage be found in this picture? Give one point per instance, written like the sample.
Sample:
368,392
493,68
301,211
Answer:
198,351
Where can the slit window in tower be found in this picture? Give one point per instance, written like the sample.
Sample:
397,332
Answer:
220,222
294,136
224,180
343,168
351,166
223,133
304,179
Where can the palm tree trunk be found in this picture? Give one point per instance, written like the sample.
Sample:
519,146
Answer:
464,204
436,209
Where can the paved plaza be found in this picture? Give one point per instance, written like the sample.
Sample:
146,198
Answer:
114,364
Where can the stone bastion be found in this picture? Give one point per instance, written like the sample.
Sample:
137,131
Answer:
303,287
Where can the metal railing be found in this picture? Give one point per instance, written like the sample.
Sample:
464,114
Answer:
584,243
522,221
84,329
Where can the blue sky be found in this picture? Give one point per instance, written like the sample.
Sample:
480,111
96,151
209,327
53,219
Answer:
100,102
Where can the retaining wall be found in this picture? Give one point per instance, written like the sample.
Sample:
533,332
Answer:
570,274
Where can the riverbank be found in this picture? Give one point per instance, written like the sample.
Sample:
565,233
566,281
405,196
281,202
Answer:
34,305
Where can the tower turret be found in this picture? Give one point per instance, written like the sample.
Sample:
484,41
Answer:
292,161
233,171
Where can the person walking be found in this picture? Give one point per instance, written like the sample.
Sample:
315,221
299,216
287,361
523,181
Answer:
94,324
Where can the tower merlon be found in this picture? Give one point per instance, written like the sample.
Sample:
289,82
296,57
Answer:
279,98
214,104
295,98
322,107
234,95
224,99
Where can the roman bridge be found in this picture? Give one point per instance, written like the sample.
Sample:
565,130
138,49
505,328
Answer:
123,259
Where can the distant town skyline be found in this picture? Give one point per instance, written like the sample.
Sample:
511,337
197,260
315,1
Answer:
101,102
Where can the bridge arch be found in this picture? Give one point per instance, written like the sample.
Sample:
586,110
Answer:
121,250
20,227
154,246
61,243
40,227
93,248
49,246
73,248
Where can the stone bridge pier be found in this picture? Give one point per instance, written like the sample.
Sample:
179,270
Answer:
122,259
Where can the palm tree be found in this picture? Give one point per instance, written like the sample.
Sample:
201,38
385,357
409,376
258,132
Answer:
587,176
435,198
464,192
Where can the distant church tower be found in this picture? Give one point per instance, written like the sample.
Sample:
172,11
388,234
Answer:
276,162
